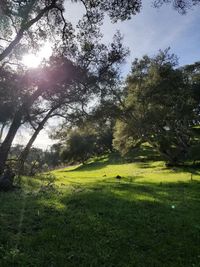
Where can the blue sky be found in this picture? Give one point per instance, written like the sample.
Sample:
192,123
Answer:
147,32
155,29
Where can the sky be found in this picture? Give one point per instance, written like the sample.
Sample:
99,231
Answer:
147,32
153,29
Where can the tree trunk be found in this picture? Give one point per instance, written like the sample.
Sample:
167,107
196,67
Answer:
2,129
16,123
25,152
171,159
5,146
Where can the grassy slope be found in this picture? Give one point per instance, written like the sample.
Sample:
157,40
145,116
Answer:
151,217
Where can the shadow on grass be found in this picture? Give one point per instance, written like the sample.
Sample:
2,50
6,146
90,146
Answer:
143,156
95,164
106,224
192,169
144,153
147,165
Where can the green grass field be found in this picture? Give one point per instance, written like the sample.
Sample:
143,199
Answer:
150,218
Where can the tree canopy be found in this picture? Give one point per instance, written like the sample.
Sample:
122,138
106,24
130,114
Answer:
159,108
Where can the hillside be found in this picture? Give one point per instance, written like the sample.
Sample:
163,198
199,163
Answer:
84,216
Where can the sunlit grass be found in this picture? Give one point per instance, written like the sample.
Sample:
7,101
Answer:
87,217
154,172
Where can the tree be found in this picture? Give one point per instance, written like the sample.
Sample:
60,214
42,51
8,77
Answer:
24,154
69,101
61,79
20,16
49,21
52,156
159,108
33,21
48,81
35,160
181,5
9,93
87,140
193,73
79,146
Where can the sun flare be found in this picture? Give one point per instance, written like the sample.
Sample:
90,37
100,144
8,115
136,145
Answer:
31,60
34,60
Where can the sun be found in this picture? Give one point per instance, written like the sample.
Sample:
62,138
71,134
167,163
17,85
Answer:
34,60
31,61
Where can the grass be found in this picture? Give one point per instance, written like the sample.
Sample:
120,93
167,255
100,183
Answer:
151,217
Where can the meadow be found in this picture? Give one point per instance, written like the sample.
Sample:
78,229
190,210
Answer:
84,216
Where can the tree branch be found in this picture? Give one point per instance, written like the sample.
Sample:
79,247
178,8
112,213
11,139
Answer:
24,28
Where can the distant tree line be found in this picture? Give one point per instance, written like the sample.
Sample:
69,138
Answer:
37,160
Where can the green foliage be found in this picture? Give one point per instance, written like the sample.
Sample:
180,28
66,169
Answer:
159,108
9,93
72,78
52,156
38,160
181,5
34,22
79,146
192,71
92,137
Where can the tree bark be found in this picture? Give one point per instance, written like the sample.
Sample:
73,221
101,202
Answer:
16,123
5,146
2,129
25,152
